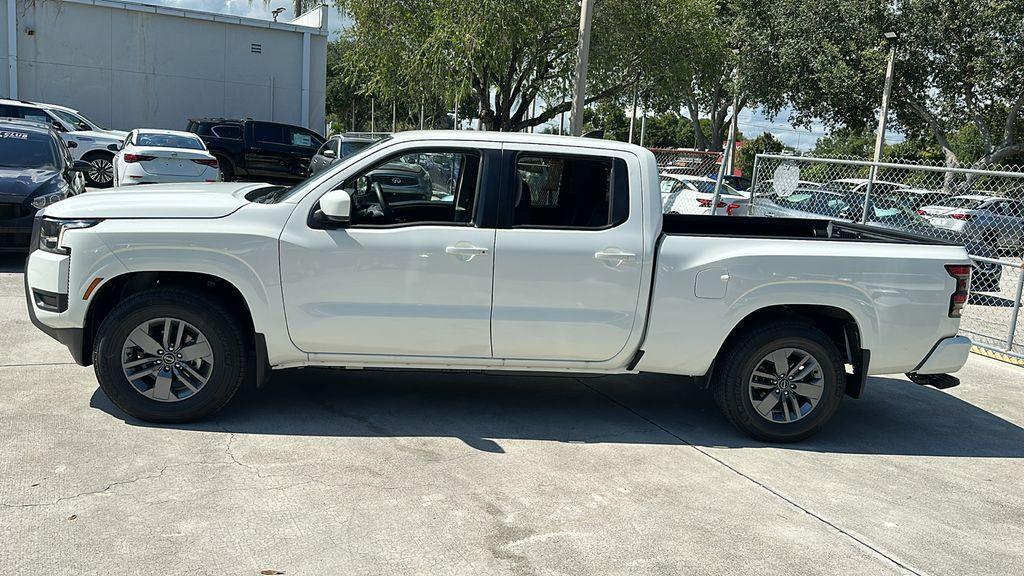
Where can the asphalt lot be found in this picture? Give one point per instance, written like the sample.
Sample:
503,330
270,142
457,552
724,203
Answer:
403,473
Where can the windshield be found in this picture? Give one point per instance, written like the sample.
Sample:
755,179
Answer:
76,123
169,141
837,186
279,194
27,150
351,147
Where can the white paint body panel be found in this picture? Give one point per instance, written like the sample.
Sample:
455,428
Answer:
394,297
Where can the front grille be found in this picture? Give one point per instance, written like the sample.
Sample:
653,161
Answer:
12,211
396,180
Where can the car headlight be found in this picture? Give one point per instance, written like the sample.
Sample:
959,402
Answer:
45,200
51,233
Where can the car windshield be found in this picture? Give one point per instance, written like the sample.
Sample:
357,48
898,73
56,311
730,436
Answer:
349,148
76,123
169,141
20,149
275,194
837,186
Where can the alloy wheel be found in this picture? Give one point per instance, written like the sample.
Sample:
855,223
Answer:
102,171
786,385
167,359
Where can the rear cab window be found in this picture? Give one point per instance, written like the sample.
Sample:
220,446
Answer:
570,192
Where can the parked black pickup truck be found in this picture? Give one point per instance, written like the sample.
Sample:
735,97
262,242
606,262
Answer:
253,149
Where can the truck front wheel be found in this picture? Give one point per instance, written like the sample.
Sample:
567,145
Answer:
170,355
780,382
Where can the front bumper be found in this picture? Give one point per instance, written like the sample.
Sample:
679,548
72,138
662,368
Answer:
73,338
16,233
948,355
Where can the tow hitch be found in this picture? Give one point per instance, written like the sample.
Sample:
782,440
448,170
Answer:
940,381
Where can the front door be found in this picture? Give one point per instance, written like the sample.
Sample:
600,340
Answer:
567,269
408,278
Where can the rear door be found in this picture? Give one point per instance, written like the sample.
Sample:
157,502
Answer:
266,152
569,254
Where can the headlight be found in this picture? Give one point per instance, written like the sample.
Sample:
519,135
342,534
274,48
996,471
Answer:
45,200
51,233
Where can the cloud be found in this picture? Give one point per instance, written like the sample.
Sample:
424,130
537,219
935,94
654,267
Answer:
255,9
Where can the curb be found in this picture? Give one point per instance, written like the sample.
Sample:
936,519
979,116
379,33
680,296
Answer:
998,356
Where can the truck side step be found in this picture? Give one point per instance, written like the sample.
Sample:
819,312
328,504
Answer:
940,381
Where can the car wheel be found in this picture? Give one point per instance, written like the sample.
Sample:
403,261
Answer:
780,382
227,174
102,173
170,355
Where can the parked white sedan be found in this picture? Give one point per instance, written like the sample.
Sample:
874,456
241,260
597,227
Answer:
157,156
686,194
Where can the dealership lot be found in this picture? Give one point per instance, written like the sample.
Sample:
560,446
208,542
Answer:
396,472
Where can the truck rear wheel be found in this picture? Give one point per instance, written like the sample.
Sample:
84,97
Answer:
170,355
780,382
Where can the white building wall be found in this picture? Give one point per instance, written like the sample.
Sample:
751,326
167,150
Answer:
130,65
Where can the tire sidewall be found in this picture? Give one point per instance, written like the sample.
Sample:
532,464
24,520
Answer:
94,183
225,343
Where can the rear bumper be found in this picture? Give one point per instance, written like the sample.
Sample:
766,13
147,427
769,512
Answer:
948,355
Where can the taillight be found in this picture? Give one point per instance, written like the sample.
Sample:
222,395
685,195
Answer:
921,212
962,273
206,161
730,208
133,158
705,203
961,216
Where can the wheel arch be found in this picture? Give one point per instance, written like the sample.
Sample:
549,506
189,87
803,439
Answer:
839,324
119,287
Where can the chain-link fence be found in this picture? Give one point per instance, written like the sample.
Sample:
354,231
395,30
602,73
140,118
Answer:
981,209
688,162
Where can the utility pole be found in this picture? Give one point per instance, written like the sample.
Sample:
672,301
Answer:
421,114
890,38
632,117
455,114
373,115
394,116
580,92
730,142
643,125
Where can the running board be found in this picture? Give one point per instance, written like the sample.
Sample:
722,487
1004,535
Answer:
940,381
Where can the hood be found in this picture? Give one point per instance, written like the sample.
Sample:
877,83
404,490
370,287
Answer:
106,136
181,200
18,184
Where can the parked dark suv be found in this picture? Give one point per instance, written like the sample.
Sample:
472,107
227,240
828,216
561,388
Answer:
36,170
254,149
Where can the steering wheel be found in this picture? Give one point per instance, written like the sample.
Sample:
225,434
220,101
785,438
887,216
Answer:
385,209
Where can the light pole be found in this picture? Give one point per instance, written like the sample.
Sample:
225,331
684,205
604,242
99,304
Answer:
579,96
890,39
730,144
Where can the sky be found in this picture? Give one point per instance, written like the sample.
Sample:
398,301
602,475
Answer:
752,122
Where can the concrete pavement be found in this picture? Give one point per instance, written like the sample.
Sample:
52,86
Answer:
330,472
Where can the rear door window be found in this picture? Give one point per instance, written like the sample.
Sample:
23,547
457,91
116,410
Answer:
269,133
570,192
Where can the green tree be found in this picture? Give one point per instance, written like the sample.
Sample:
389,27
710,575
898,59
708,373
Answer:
503,56
764,144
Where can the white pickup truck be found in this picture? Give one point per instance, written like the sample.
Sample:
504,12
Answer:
534,253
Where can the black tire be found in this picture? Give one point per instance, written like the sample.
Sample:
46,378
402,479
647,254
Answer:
740,357
227,342
90,178
227,173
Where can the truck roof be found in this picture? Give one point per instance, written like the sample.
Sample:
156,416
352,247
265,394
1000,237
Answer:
516,137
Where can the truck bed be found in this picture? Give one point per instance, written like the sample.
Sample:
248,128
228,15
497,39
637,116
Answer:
788,228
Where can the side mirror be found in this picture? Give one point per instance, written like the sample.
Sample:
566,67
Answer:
81,166
329,154
71,144
336,206
114,147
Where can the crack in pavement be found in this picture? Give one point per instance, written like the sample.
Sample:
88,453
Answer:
854,537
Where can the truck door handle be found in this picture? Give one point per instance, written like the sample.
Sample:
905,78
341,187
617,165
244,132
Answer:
615,255
465,250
